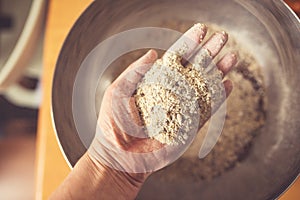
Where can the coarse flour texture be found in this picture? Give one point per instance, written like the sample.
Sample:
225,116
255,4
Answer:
173,100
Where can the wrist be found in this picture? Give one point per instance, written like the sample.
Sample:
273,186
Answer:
121,182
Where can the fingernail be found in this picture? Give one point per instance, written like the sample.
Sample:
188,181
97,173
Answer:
200,29
199,26
234,58
150,53
224,36
223,33
228,87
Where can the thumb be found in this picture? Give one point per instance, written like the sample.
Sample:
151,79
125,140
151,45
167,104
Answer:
129,79
147,59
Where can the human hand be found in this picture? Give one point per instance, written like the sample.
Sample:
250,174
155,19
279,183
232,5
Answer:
121,141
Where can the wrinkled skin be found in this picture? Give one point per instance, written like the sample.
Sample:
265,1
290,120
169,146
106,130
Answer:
119,118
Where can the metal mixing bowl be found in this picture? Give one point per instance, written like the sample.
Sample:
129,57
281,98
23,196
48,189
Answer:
266,28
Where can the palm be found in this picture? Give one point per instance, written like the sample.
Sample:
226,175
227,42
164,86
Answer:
119,118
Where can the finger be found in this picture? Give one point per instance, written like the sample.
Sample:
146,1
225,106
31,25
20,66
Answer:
203,58
215,43
126,83
142,64
226,63
188,42
228,87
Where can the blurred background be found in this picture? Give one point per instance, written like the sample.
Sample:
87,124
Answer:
22,25
21,43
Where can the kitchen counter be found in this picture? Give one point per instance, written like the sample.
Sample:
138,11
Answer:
51,167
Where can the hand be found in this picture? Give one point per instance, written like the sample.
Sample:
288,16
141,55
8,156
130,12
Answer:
122,155
121,141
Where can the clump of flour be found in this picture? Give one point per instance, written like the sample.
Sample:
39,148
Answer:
174,99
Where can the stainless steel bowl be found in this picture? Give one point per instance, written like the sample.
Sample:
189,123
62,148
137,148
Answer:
266,28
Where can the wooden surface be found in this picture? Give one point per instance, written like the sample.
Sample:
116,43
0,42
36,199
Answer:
51,168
